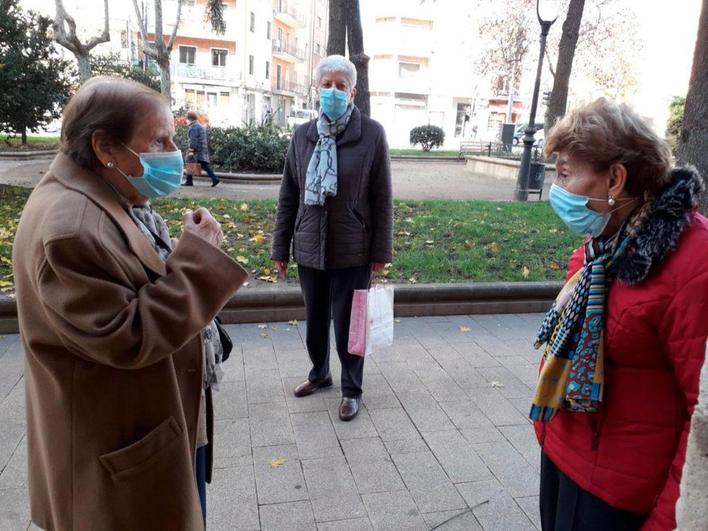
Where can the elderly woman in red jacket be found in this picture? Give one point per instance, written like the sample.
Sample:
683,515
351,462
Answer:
625,339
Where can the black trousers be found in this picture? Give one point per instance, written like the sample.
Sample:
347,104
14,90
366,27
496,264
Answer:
207,168
567,507
328,296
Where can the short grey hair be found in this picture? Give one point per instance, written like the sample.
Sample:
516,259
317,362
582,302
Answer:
336,63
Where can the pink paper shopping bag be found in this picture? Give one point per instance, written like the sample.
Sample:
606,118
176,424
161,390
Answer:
357,323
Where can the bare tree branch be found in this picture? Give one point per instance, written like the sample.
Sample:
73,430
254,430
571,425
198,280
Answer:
105,36
174,31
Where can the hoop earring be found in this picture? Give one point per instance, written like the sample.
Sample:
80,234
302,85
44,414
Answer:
611,200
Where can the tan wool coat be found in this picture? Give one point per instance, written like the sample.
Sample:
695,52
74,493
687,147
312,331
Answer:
113,361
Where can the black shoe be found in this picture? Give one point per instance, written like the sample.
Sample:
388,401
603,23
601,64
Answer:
215,183
348,408
307,387
188,183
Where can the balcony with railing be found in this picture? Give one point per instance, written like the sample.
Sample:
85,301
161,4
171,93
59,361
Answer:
286,13
288,88
209,73
287,52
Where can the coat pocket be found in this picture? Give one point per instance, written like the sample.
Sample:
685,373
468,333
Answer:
140,455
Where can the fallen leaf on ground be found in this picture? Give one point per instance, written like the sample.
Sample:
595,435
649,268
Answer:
244,207
496,384
525,272
464,329
264,334
493,247
293,322
397,320
277,463
242,259
262,326
554,265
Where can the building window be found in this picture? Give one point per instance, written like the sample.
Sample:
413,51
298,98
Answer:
253,22
211,99
280,36
319,22
187,55
224,99
188,3
318,49
190,99
278,76
268,28
250,64
267,75
408,69
218,57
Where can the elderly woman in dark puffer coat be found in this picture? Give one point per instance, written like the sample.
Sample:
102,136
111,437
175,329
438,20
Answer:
625,339
336,207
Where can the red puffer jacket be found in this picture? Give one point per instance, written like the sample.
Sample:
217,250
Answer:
631,453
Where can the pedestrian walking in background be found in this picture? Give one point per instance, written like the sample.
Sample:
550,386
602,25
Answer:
625,339
336,209
117,321
199,149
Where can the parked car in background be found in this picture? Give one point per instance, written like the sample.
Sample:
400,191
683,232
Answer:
301,116
520,131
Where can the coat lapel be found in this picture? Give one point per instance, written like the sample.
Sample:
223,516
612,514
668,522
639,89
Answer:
82,180
351,134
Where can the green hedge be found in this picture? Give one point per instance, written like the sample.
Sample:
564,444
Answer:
242,149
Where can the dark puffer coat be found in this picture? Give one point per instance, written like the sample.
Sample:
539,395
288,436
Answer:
353,228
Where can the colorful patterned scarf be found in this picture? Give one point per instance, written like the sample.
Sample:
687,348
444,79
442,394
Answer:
321,177
572,374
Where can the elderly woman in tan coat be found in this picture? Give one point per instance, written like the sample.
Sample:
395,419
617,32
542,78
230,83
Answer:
115,320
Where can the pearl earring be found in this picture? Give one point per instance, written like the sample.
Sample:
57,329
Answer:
110,164
611,201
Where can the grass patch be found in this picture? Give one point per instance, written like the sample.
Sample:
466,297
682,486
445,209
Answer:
34,143
420,153
435,241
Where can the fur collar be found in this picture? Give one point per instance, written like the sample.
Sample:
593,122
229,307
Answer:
659,234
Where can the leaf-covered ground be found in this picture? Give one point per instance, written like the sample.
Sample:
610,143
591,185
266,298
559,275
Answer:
434,241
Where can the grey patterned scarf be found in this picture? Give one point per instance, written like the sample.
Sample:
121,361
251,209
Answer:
321,177
155,230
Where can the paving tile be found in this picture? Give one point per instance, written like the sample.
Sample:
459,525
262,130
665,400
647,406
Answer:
460,520
314,435
233,367
332,490
232,438
440,384
11,369
494,346
475,356
457,456
259,359
371,466
393,424
270,425
264,387
11,433
356,524
509,385
14,509
427,482
493,507
406,446
14,475
231,500
401,377
278,474
523,438
378,393
230,401
496,407
303,404
517,476
13,406
424,411
393,510
294,516
530,506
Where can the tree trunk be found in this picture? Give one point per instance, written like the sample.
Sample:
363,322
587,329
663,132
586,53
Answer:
84,67
24,136
336,42
165,78
355,36
693,144
564,66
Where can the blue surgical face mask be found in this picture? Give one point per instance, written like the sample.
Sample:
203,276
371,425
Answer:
162,173
334,102
573,210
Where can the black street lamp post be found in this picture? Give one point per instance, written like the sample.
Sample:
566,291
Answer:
522,182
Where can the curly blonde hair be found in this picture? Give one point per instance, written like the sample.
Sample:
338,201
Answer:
603,133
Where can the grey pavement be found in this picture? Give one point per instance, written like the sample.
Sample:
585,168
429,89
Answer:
415,180
442,440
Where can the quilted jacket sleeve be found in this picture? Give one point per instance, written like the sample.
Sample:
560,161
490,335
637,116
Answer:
684,328
288,204
381,204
